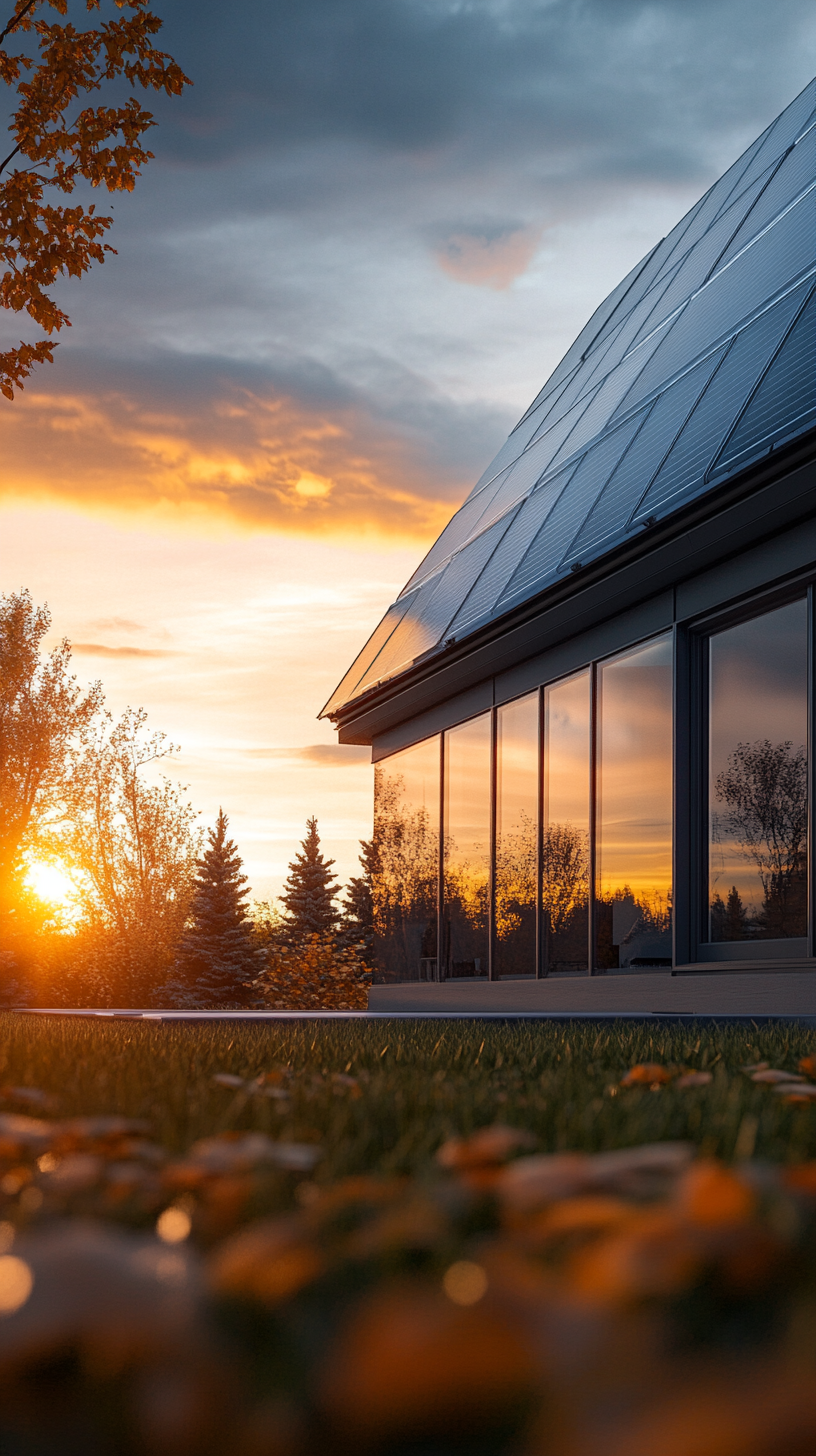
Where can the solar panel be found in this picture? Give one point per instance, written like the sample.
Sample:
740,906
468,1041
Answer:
701,359
785,401
683,472
542,559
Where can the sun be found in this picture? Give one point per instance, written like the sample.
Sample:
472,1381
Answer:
50,883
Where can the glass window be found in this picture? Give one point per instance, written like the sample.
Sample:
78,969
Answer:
406,884
565,840
466,840
516,837
634,809
758,776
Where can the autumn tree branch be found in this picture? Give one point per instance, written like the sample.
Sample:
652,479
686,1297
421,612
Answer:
15,20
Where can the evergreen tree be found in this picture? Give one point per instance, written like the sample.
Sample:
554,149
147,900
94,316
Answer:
358,908
217,954
310,890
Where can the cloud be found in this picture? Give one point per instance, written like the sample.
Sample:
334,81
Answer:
327,755
605,83
98,649
117,624
492,257
334,755
293,448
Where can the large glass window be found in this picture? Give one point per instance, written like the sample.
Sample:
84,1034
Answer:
406,882
634,809
466,848
565,838
758,778
516,838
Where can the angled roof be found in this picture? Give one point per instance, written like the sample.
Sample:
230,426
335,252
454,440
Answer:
700,361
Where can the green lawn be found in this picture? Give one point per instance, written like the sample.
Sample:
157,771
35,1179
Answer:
418,1083
405,1239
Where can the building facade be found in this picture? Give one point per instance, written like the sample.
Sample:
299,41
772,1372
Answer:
591,706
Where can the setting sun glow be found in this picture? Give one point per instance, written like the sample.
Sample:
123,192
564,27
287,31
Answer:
50,883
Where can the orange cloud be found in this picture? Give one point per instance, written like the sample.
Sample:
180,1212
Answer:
97,649
261,457
488,259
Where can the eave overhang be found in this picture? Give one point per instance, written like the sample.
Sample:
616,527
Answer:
767,497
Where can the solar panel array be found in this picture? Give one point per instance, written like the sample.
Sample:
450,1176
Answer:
702,360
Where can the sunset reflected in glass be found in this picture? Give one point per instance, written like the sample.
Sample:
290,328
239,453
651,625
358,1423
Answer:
634,834
466,841
406,839
758,778
565,841
516,837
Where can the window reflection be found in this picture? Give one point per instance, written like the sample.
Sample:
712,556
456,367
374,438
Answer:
565,838
758,774
516,837
634,833
466,881
406,882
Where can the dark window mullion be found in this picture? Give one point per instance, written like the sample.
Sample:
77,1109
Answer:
542,963
440,905
811,839
593,816
491,879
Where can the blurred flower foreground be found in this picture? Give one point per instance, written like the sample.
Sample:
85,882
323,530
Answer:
642,1302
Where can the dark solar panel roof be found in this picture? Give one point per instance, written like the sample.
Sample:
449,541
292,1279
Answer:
701,360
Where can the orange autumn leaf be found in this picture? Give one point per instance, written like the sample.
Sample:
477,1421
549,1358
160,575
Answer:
409,1360
807,1066
59,141
651,1256
709,1194
267,1261
646,1074
489,1146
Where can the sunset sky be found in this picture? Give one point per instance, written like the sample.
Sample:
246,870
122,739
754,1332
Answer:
371,230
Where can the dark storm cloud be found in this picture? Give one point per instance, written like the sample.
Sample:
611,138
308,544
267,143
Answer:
636,84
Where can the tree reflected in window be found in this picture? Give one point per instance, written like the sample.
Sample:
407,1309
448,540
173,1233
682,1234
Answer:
759,779
406,872
466,849
565,837
516,837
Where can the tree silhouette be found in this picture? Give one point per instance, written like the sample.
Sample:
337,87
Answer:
217,955
729,919
358,908
310,890
565,872
764,790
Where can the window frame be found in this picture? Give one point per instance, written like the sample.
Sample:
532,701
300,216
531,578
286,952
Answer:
692,951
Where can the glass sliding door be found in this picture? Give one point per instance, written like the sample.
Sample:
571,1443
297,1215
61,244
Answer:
758,778
466,849
406,880
565,834
634,809
516,865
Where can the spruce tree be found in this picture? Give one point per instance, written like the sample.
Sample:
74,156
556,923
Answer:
217,955
310,890
358,909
